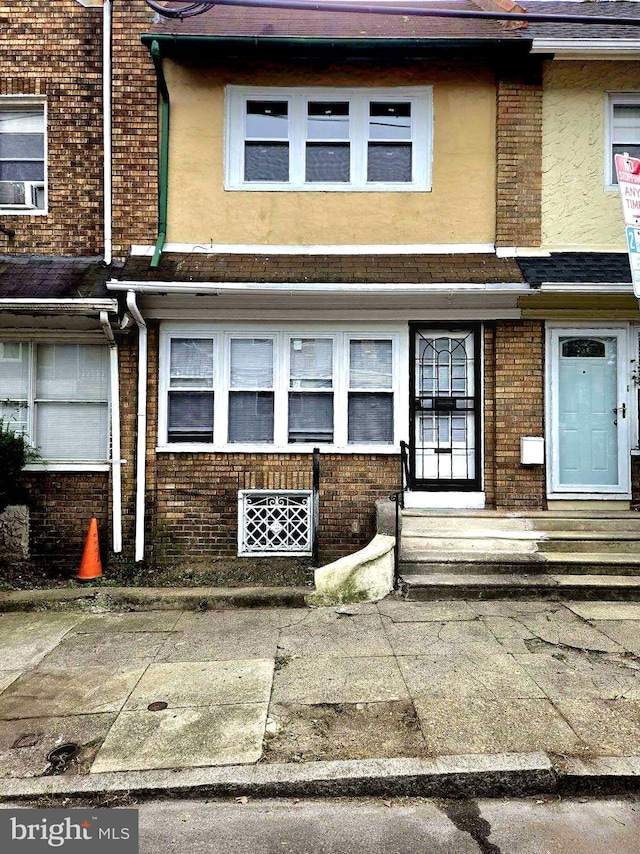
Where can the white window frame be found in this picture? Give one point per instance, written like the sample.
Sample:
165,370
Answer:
12,102
282,335
611,100
420,98
45,464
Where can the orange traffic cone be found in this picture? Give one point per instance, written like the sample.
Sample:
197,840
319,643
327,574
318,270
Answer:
91,565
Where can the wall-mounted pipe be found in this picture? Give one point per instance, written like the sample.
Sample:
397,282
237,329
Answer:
107,158
116,451
141,422
163,165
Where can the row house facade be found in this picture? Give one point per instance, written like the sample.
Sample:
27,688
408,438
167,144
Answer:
355,233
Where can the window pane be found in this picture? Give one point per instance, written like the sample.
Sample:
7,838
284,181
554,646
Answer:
310,417
72,431
633,150
251,363
266,162
191,363
251,416
370,418
22,170
14,371
22,121
72,372
23,145
389,121
370,364
267,120
626,123
328,120
327,162
389,162
14,414
190,416
311,363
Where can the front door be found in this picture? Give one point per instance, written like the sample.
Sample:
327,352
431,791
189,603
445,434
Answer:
589,418
445,408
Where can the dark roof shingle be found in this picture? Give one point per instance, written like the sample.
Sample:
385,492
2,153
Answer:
45,277
374,269
577,268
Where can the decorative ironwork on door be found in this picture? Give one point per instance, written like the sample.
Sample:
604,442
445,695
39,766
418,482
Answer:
445,417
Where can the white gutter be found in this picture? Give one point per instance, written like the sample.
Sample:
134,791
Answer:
588,48
106,129
575,287
116,462
141,446
215,289
59,306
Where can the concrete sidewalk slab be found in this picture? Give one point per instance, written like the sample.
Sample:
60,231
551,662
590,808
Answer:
203,683
400,611
60,692
106,649
482,725
447,639
339,680
150,621
605,610
611,727
562,628
220,636
467,676
626,633
25,639
328,633
184,738
573,675
7,677
25,744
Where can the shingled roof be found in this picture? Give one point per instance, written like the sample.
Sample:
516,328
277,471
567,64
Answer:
608,8
232,21
344,269
44,277
577,268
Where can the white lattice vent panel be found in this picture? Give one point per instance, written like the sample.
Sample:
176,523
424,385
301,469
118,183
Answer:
274,522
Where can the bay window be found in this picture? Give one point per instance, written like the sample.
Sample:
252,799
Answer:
276,389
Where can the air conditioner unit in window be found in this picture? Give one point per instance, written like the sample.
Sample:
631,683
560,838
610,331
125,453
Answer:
22,194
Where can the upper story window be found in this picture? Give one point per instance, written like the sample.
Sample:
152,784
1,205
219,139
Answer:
328,139
623,131
22,156
58,396
277,388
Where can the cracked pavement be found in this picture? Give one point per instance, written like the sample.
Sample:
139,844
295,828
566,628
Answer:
180,689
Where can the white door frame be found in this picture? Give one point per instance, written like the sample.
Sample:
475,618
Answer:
621,490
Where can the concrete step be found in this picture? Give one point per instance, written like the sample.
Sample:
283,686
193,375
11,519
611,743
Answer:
594,563
520,586
426,523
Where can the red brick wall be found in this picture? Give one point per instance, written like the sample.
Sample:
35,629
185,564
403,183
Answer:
60,507
54,49
519,411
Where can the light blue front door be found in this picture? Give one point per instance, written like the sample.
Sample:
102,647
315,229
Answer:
588,441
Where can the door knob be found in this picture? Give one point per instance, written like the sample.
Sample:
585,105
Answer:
622,409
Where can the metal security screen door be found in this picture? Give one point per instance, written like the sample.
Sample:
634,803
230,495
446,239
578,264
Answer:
445,408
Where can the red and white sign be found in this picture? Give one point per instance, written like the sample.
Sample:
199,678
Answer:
628,172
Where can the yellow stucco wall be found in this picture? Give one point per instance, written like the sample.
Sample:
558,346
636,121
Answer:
577,210
460,208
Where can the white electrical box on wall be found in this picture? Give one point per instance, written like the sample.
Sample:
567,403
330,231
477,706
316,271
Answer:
531,451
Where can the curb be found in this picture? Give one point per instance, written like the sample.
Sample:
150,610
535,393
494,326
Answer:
469,776
153,598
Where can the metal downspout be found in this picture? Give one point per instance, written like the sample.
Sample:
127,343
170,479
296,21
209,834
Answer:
116,452
164,153
107,154
141,444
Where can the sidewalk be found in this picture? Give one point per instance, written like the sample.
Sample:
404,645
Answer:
513,696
